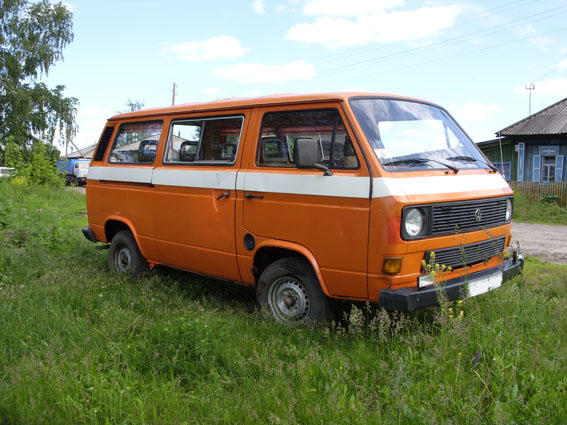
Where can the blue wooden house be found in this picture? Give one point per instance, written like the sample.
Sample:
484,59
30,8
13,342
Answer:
534,148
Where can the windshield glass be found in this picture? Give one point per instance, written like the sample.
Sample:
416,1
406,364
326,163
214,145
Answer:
411,135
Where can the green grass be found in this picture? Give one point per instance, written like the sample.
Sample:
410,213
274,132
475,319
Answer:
539,212
79,345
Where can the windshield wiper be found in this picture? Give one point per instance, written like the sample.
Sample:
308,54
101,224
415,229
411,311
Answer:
471,159
416,161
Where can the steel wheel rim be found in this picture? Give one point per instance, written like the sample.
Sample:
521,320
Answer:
289,300
123,260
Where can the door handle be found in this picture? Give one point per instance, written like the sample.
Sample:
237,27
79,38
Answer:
252,196
223,195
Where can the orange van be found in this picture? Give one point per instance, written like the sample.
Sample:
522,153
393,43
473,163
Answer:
309,198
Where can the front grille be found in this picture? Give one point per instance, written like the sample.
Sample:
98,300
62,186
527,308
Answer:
466,255
457,217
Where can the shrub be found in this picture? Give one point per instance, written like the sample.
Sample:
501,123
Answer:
40,169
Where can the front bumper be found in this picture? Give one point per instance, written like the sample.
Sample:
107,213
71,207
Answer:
414,298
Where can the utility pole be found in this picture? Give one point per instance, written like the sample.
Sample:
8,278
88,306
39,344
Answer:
173,97
530,87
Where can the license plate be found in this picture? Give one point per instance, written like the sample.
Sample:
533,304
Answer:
484,284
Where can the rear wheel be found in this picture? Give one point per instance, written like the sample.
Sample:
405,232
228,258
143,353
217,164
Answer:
125,257
288,291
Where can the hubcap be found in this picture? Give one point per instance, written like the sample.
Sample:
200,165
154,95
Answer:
123,260
288,300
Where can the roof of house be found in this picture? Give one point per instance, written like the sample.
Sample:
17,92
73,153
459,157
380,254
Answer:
86,152
549,121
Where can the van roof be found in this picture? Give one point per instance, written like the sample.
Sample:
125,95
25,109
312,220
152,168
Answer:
248,102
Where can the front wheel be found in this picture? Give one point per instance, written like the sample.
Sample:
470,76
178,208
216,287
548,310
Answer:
288,291
125,257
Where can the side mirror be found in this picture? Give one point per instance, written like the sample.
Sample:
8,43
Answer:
307,153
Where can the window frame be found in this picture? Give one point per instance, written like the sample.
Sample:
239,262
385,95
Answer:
504,163
215,163
335,126
551,167
115,139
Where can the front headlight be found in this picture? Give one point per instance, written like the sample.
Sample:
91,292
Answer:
508,209
413,223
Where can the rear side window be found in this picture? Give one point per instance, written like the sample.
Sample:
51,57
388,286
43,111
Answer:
103,143
204,141
136,143
280,130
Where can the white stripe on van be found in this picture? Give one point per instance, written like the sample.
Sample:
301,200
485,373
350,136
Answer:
450,183
302,184
121,174
307,184
195,178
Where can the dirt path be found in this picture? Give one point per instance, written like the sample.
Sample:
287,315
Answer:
80,189
544,241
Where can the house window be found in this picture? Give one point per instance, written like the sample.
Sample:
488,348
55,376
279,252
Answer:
548,168
505,168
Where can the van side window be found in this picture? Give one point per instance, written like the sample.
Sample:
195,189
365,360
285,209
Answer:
281,129
213,140
136,143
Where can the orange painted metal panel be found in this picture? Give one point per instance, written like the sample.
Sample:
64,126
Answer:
344,235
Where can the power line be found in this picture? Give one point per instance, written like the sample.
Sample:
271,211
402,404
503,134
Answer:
496,28
355,51
551,67
464,54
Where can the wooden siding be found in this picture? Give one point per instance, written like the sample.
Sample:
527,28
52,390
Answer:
536,191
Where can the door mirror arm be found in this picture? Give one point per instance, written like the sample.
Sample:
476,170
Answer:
326,170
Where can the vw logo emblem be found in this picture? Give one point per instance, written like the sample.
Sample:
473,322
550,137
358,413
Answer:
477,215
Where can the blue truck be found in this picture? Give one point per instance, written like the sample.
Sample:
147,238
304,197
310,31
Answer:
75,170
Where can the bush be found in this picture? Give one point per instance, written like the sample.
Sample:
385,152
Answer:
40,169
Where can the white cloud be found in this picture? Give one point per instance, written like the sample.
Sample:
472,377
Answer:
221,47
348,8
474,112
528,30
258,6
552,86
258,73
213,92
562,64
91,120
479,119
378,27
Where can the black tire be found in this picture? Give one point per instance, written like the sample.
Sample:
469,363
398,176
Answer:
124,255
289,292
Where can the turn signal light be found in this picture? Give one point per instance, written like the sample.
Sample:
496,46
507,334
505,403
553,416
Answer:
392,265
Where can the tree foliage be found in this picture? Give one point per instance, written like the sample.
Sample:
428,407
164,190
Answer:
132,106
32,39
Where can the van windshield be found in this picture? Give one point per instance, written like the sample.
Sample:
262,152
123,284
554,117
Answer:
406,135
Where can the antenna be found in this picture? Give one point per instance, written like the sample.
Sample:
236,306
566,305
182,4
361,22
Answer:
173,97
530,87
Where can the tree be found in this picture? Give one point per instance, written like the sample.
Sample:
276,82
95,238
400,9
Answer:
32,38
132,106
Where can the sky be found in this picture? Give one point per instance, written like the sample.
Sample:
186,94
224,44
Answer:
474,58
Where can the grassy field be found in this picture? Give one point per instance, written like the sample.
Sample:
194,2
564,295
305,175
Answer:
81,346
540,212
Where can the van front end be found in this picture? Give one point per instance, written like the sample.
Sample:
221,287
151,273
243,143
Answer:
441,213
462,249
